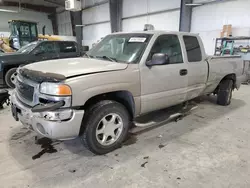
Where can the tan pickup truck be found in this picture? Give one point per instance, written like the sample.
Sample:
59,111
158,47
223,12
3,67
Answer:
124,76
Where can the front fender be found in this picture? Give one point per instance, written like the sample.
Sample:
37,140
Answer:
88,86
79,99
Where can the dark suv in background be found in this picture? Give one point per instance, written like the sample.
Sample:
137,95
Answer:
34,52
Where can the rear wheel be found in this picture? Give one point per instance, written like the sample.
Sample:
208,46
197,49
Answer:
10,77
106,127
225,92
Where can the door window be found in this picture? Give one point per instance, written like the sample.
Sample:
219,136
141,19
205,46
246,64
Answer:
169,45
193,48
47,47
67,47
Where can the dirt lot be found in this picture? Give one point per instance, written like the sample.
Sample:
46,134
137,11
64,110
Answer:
208,148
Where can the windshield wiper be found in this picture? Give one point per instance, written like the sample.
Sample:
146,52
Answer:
106,57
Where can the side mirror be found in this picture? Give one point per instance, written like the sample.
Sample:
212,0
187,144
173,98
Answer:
38,52
85,48
158,59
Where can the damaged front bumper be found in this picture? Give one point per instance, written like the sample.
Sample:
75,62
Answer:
61,124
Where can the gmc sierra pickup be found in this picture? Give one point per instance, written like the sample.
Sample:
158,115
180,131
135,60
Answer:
124,76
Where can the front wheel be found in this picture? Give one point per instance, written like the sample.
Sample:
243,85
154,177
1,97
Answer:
225,92
10,77
106,127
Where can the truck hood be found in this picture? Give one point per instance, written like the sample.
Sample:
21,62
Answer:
76,66
6,57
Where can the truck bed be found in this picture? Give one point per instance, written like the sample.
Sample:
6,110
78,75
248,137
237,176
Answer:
219,66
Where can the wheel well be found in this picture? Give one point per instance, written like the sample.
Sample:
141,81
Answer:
7,68
227,77
230,77
123,97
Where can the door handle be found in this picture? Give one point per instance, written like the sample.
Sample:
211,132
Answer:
183,72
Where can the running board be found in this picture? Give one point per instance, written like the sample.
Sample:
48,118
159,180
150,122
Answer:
161,117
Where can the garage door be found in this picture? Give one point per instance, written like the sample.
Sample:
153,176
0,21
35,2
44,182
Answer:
94,33
164,15
97,24
64,24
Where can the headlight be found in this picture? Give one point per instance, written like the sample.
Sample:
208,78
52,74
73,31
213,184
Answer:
56,89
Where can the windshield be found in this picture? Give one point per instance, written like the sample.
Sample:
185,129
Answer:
28,48
126,48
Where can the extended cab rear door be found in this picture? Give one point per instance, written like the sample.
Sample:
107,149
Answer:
68,49
194,56
163,85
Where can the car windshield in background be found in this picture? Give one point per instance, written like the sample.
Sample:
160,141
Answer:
127,48
28,48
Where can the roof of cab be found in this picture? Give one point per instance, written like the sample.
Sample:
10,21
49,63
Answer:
59,41
152,32
21,21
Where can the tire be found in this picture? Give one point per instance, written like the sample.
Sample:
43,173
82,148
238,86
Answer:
9,77
225,92
99,119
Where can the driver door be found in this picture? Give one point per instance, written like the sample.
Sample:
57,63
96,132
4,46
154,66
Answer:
46,51
164,85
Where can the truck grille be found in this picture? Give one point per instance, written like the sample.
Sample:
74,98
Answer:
24,90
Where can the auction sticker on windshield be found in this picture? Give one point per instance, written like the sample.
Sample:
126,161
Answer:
137,39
